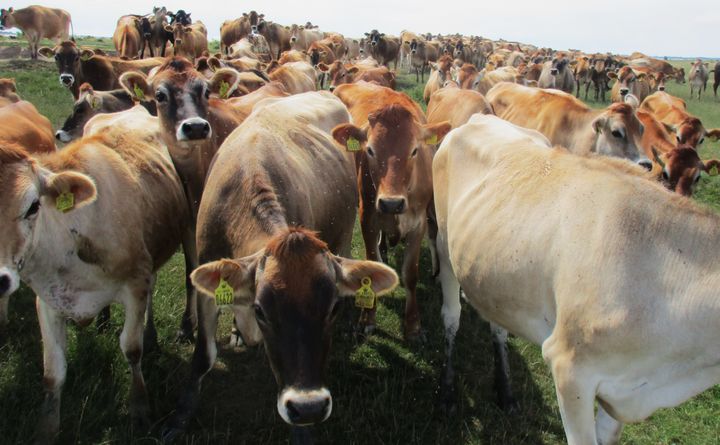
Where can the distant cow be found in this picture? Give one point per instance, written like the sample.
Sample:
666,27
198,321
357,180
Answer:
127,38
340,74
716,75
440,72
189,41
277,36
181,16
698,77
155,36
557,74
628,82
384,49
231,31
36,23
301,38
296,77
672,112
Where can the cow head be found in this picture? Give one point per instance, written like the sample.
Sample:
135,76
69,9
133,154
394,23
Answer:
691,132
679,74
459,48
374,37
619,133
557,66
681,169
339,74
443,68
317,53
8,90
295,31
88,105
256,21
391,142
413,44
7,19
68,58
29,193
295,285
182,96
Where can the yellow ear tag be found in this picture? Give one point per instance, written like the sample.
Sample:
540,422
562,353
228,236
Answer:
365,296
224,293
138,92
353,144
224,88
713,171
94,103
85,57
65,201
432,140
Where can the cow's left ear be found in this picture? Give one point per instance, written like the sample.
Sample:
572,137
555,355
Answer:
433,133
67,190
136,85
168,28
238,274
713,134
353,274
345,134
47,52
224,82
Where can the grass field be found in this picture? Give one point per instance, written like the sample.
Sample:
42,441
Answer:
384,390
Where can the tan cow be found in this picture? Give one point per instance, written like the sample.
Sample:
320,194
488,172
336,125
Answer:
440,72
485,80
340,73
396,148
301,38
672,112
628,82
190,41
455,105
8,92
698,77
37,23
231,31
21,124
557,74
127,37
85,227
296,77
566,121
589,272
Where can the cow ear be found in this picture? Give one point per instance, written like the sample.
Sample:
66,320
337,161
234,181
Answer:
47,52
353,70
612,75
641,76
669,128
322,67
67,190
599,123
239,274
214,63
345,133
713,134
95,101
353,274
136,85
433,133
224,82
168,28
86,54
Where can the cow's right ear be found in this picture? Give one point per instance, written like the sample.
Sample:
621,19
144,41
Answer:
67,190
214,63
354,274
168,28
612,75
86,54
344,134
239,274
136,85
322,67
353,70
47,52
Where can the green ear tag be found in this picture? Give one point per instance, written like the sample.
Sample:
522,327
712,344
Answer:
353,144
224,293
713,171
365,297
224,88
138,92
65,201
432,140
94,103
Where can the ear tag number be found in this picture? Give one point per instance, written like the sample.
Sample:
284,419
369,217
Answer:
139,92
353,144
365,296
65,201
432,140
224,88
224,293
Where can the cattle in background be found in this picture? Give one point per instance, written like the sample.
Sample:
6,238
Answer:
581,73
598,75
485,80
293,56
194,123
231,31
672,112
421,54
189,41
79,66
37,23
8,91
557,74
384,49
566,121
301,38
155,36
716,76
277,36
296,77
127,37
578,288
353,49
698,77
657,66
439,74
628,82
340,73
455,105
181,16
274,268
396,149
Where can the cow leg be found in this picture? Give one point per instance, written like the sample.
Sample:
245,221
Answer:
131,344
506,400
608,429
190,316
577,86
202,361
451,322
4,310
410,277
54,340
150,342
715,88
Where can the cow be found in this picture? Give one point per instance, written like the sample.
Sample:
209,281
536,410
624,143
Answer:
396,148
628,82
581,73
155,36
78,66
557,74
296,77
340,74
253,46
232,31
127,37
485,80
21,124
37,23
244,104
189,41
121,175
285,280
293,56
406,39
321,52
716,76
384,49
353,49
465,76
566,121
455,105
8,91
91,103
698,77
421,54
672,112
301,38
612,322
598,76
194,125
440,72
277,36
181,16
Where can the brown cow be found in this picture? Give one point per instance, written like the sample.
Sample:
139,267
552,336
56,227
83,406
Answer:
628,82
8,91
36,23
127,38
78,66
277,36
244,104
21,124
340,73
155,36
439,73
395,179
296,77
384,49
672,112
194,125
716,81
232,31
189,41
293,56
456,105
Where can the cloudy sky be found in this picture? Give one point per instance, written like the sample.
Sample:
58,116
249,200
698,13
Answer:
686,28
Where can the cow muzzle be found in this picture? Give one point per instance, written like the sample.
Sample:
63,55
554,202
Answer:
624,91
63,136
304,407
554,72
293,39
9,282
193,129
373,43
392,205
661,88
645,163
67,80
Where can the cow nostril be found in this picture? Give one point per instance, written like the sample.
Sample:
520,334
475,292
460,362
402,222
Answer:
292,411
4,284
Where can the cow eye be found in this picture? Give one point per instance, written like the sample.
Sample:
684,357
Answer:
697,179
259,314
207,93
414,152
371,152
617,134
665,175
701,141
57,56
32,211
160,96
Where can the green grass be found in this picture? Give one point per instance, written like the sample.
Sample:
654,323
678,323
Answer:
385,390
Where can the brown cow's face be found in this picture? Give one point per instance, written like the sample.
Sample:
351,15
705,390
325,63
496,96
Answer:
295,285
619,133
690,132
256,21
682,170
374,37
628,80
73,127
68,58
7,20
295,31
8,90
340,75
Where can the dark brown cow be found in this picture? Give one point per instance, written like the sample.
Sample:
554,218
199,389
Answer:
384,49
189,41
155,36
78,66
716,82
277,36
395,178
36,23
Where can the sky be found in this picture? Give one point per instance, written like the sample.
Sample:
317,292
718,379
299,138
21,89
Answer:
659,28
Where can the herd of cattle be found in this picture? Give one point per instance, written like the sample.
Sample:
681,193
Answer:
554,219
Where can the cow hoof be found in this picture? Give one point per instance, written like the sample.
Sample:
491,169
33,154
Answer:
414,334
183,336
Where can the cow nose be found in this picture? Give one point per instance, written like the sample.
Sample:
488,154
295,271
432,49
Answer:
293,39
62,136
553,72
645,163
67,79
4,284
332,88
308,407
194,129
624,91
373,43
662,88
391,205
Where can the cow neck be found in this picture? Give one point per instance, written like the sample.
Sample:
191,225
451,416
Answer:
192,165
588,140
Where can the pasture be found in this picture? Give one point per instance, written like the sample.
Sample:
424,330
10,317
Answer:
384,390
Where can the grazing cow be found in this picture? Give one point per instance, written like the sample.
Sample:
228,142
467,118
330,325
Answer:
79,66
301,38
340,74
286,280
716,82
557,74
189,41
698,77
628,82
232,31
21,124
566,121
296,77
122,177
127,37
672,112
575,273
91,103
384,49
439,74
396,149
455,105
485,80
194,125
155,36
8,91
37,23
